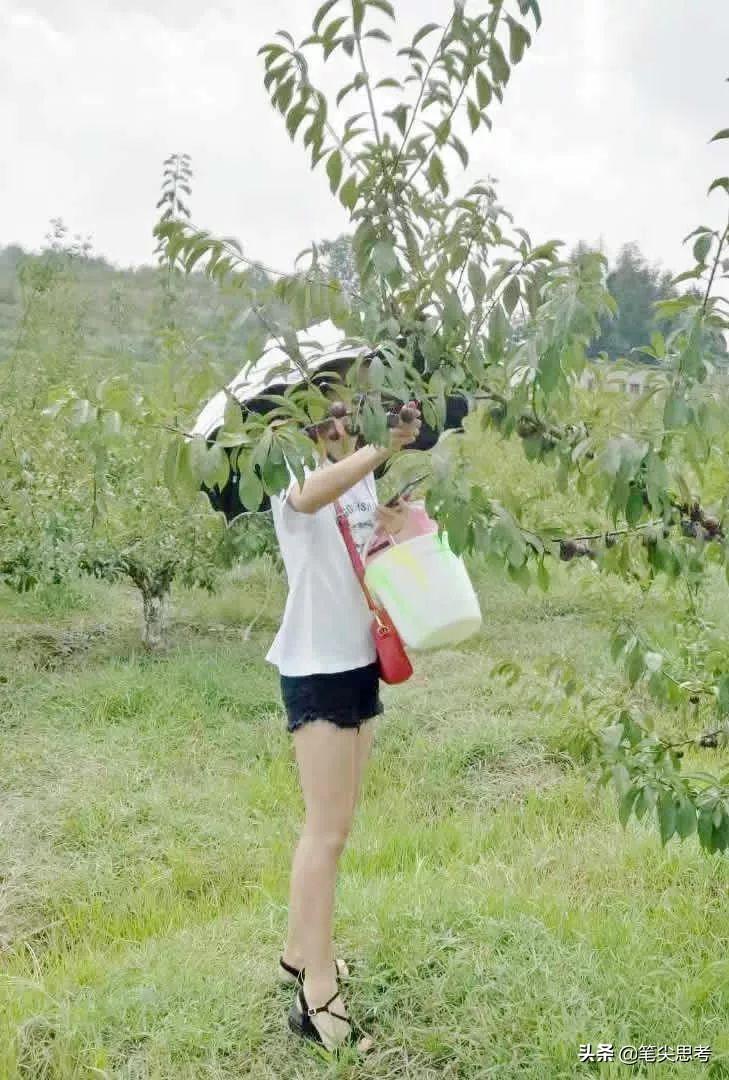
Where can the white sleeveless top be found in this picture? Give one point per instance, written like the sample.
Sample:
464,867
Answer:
326,621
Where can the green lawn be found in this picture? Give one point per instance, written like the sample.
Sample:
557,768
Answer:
497,914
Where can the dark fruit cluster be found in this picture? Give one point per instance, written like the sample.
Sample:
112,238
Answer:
526,426
696,523
574,549
405,415
338,410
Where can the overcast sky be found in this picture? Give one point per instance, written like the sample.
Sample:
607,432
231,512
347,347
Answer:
603,135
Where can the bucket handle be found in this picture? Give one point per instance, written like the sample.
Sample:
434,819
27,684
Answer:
366,550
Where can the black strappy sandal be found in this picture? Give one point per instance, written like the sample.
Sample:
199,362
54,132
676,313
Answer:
300,1022
289,975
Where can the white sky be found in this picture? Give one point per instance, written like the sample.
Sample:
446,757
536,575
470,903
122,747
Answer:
603,135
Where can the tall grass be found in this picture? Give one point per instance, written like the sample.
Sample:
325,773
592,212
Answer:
496,914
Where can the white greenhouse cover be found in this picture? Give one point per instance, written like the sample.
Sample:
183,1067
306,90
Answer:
252,381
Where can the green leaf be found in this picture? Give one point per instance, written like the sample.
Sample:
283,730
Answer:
442,131
380,35
358,12
477,280
626,806
550,368
525,6
344,91
721,834
720,182
702,247
706,827
388,82
519,39
460,149
483,90
498,63
542,576
272,52
457,528
400,116
215,467
423,33
687,275
185,478
295,117
195,254
634,506
385,257
250,489
635,666
723,134
435,172
545,251
348,192
498,329
284,94
521,575
656,481
621,779
322,14
474,114
314,133
685,818
383,5
197,456
511,295
275,474
296,467
641,804
666,810
334,170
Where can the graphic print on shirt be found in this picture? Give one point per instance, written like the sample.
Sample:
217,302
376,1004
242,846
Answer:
361,517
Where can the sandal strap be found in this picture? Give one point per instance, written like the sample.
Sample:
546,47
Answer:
298,973
287,967
321,1008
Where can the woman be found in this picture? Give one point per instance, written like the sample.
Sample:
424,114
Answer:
330,687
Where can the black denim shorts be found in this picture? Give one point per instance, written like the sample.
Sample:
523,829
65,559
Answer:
345,698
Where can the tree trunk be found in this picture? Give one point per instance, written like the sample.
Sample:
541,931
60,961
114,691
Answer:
155,620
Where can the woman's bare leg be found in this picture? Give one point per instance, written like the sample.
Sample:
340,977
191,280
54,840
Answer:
331,764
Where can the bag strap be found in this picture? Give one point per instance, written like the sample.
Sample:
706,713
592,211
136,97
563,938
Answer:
355,559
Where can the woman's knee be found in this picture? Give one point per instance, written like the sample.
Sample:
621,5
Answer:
330,838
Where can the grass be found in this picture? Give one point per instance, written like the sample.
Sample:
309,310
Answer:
497,914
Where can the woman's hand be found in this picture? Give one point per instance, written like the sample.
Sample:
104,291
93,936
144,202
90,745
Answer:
392,518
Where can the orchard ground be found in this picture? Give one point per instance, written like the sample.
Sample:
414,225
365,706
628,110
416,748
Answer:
494,911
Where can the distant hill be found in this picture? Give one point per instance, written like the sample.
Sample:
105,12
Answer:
119,308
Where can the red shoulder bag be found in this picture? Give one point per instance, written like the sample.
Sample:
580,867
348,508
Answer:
394,663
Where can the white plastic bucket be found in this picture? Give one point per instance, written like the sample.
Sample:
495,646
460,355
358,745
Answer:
427,592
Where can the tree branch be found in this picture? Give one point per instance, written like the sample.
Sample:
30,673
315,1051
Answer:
710,285
370,98
423,84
